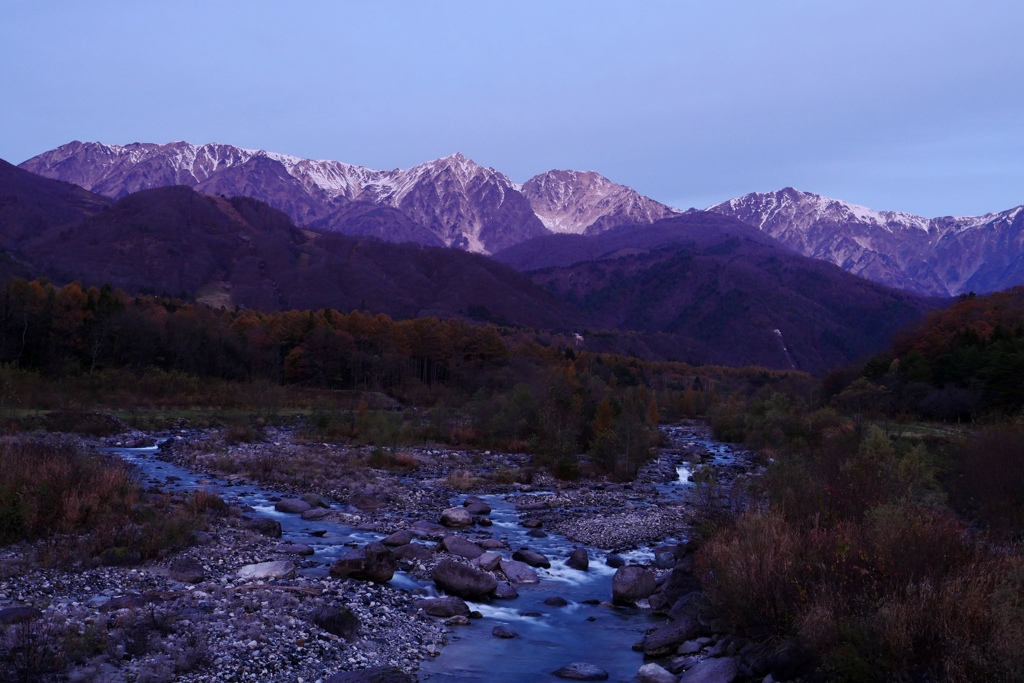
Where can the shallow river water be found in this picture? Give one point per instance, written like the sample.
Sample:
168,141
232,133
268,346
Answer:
548,636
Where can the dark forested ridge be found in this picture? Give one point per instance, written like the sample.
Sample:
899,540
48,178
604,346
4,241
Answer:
699,288
733,294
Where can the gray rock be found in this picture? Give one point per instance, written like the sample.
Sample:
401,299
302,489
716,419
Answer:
491,544
463,580
398,538
264,525
518,572
632,583
186,570
712,671
531,557
578,559
475,506
614,561
293,549
315,513
456,518
489,561
556,601
281,569
652,673
581,671
415,552
457,545
667,639
448,606
503,632
292,505
690,647
316,500
424,529
505,591
377,674
372,562
337,620
457,620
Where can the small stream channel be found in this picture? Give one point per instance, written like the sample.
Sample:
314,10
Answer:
549,636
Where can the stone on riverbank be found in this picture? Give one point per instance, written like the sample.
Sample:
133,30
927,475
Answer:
463,580
337,621
264,525
632,583
712,671
665,640
186,570
652,673
281,569
398,538
413,552
581,671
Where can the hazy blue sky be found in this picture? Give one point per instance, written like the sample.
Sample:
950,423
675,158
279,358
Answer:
897,104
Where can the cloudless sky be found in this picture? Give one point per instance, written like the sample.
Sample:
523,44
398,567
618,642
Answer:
909,105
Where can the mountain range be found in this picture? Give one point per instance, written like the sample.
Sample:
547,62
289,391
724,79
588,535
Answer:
455,202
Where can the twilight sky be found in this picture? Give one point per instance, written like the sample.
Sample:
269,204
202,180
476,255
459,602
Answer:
908,105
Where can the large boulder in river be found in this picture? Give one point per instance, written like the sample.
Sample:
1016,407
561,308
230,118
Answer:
292,505
532,558
476,506
376,674
448,606
372,562
462,580
456,518
488,561
581,671
518,572
578,559
463,547
413,552
632,583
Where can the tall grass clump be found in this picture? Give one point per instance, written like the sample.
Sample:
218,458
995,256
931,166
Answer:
85,505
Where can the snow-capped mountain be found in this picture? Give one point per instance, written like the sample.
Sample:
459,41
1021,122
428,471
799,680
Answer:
584,202
937,256
450,201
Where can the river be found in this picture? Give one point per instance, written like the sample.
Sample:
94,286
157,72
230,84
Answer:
586,629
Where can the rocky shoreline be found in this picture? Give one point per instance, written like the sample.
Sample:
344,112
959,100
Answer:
197,616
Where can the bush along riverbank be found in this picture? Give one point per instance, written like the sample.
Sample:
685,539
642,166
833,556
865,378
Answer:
862,546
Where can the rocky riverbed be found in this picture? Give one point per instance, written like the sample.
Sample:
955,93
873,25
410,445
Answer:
239,605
